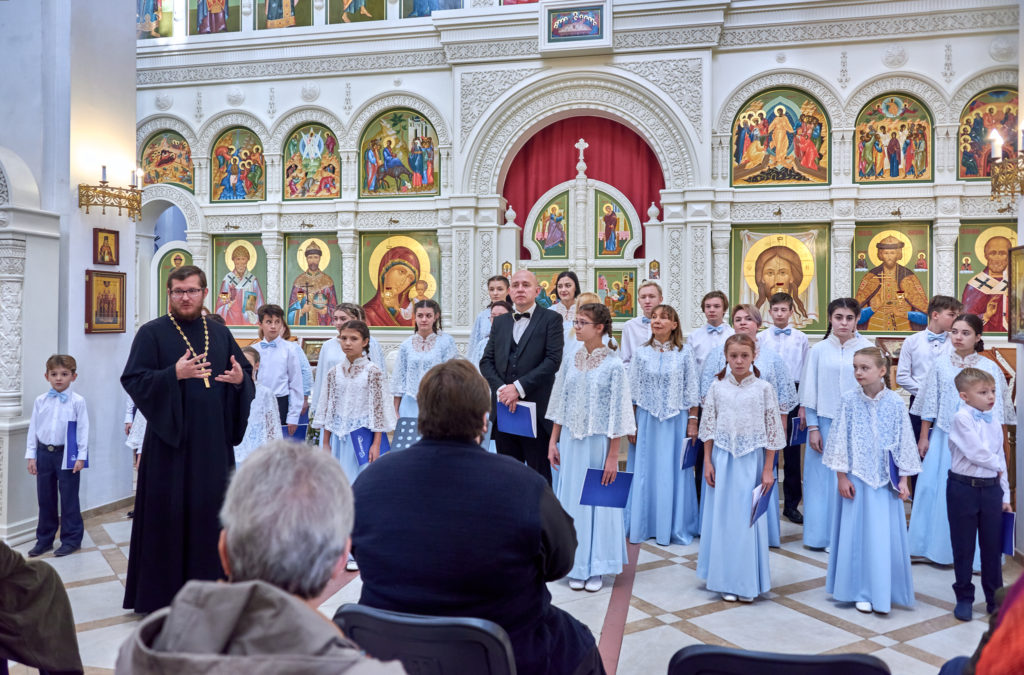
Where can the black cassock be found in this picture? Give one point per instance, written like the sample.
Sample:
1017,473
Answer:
187,457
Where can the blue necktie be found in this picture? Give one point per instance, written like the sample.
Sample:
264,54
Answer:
264,345
716,329
932,337
982,416
783,331
644,320
53,393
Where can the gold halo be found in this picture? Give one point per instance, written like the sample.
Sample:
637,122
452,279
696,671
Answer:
247,245
789,241
908,248
325,253
998,231
414,246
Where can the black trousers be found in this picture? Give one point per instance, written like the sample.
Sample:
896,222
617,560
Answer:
975,512
792,481
532,451
52,482
282,408
915,424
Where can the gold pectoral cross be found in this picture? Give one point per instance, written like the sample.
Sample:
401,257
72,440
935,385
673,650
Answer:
206,381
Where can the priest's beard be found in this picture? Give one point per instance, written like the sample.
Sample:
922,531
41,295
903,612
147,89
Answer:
183,315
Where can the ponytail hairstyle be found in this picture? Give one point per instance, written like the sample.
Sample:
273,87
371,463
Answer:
743,340
976,325
676,336
352,309
600,315
361,328
427,304
881,360
841,303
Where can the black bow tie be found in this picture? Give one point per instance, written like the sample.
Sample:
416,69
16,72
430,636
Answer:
524,315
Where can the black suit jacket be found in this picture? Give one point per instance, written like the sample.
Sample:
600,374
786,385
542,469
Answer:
540,355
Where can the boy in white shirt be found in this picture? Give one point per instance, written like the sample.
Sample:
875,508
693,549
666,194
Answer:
711,335
977,490
280,369
791,346
637,330
47,440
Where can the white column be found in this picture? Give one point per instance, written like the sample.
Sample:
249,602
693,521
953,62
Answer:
842,272
508,240
199,247
444,242
273,246
12,284
348,242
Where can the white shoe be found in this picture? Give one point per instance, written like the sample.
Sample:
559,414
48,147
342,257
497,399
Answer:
594,583
745,599
351,565
863,607
728,597
576,584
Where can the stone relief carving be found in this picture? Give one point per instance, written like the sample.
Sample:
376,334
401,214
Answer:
159,123
923,90
478,90
698,247
1002,49
682,80
883,208
5,191
382,103
975,85
488,263
894,56
163,101
720,211
947,69
310,91
489,51
844,73
235,223
812,85
271,105
199,107
842,273
948,205
275,142
216,125
670,37
12,269
348,98
309,221
979,206
235,96
465,274
396,220
791,210
183,200
720,237
843,208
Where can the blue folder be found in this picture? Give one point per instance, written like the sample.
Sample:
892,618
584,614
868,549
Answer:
522,422
690,453
761,506
1009,519
613,495
300,432
362,439
797,436
894,475
71,447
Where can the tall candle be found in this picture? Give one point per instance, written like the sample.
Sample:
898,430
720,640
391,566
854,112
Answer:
997,145
104,179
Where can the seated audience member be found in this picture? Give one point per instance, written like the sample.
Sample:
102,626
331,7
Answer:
36,625
447,529
287,517
1001,650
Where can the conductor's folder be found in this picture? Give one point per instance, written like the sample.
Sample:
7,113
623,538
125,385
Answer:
759,502
613,495
71,448
522,422
362,439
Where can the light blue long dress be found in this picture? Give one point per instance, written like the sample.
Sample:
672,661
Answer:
775,372
330,356
828,375
416,356
591,400
264,423
937,401
663,499
353,397
869,556
742,419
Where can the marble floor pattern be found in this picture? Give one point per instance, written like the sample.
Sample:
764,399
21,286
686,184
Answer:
654,608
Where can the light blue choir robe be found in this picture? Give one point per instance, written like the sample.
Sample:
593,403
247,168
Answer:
663,499
828,374
869,555
264,423
743,420
937,401
481,328
591,400
416,356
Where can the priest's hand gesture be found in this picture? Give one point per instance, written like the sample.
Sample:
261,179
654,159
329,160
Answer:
189,367
233,375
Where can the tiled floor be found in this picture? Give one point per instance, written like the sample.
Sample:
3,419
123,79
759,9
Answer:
668,608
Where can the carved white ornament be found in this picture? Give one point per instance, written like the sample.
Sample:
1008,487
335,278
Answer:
979,206
947,69
236,223
302,222
464,274
386,102
792,210
274,143
221,123
12,282
844,208
235,96
271,105
894,56
780,57
844,73
185,202
348,98
462,52
1002,49
652,213
670,37
927,92
150,126
682,80
478,90
811,84
199,107
977,84
406,220
310,91
163,101
5,191
698,249
883,208
841,265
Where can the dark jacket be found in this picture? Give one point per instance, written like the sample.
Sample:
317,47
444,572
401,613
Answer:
447,529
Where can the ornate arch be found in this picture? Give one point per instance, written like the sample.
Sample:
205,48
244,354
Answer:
185,202
811,84
377,105
288,122
976,84
612,96
924,89
224,121
155,123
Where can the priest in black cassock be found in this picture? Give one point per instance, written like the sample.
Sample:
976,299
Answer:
189,378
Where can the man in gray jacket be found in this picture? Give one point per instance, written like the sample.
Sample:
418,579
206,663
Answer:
287,518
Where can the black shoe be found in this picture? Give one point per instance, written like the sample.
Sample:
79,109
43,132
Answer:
794,516
39,549
130,514
990,608
65,549
963,610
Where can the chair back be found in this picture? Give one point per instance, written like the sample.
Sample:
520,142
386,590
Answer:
429,645
710,660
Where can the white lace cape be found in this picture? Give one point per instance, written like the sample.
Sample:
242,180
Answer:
938,400
353,398
411,364
591,396
743,417
663,383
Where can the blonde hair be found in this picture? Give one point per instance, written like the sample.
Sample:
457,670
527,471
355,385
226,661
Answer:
880,359
754,313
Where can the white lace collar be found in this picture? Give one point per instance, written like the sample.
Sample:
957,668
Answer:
874,399
353,368
732,378
585,361
659,346
834,339
967,361
423,344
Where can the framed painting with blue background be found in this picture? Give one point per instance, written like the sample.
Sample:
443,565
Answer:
991,110
312,165
238,169
894,141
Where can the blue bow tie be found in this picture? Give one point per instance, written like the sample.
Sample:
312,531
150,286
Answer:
783,331
981,416
932,337
53,393
264,345
716,329
644,320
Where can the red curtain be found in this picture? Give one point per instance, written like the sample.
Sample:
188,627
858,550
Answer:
617,156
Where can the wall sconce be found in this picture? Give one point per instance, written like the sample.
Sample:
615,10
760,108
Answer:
103,195
1007,176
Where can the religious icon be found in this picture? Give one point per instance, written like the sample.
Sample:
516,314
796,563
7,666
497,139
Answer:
414,8
506,269
893,141
786,260
985,293
283,13
105,247
1015,315
572,25
167,158
169,261
399,156
551,230
311,294
397,271
922,261
154,18
240,293
214,16
617,290
312,165
862,260
991,110
311,348
547,281
892,296
654,270
104,302
238,168
612,227
347,11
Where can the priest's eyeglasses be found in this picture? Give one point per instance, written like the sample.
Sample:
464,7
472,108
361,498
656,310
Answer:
178,293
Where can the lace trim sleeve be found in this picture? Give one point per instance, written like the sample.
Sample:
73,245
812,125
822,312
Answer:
774,436
382,411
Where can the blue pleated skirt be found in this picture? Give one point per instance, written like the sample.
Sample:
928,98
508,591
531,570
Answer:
733,555
869,559
663,498
821,489
600,532
342,450
408,407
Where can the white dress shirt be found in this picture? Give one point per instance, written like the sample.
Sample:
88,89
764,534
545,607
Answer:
917,356
49,423
791,347
281,373
828,374
635,333
518,329
129,411
977,447
706,339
